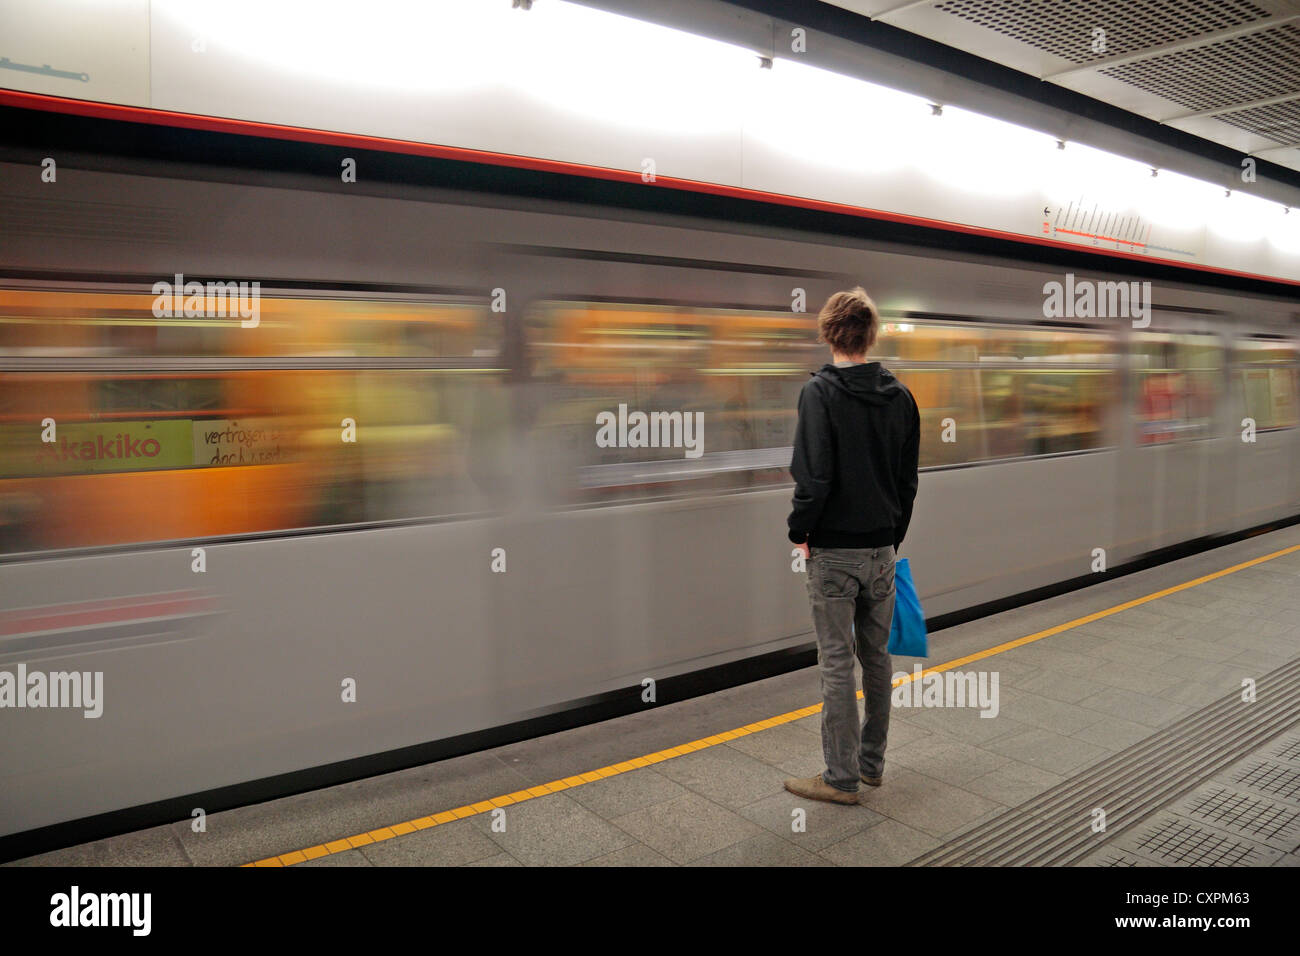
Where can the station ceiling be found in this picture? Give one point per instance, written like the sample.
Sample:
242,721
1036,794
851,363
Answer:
1224,70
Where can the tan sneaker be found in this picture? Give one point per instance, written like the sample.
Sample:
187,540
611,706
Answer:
815,788
872,781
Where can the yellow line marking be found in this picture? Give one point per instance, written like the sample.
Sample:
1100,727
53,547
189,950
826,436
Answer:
1096,616
556,786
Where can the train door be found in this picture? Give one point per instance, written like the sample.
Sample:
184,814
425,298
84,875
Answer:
1175,385
1265,410
1220,503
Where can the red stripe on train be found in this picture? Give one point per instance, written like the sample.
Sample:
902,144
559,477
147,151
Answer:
110,611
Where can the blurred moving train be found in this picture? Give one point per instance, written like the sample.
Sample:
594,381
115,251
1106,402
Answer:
472,340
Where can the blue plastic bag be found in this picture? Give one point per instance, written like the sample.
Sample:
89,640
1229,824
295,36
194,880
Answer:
907,633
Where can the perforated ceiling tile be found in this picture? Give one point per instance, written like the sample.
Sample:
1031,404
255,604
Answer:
1279,122
1166,60
1237,70
1064,27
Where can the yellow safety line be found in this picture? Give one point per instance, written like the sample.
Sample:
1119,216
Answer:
568,783
1097,616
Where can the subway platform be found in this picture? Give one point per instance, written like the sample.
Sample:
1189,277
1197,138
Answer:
1152,720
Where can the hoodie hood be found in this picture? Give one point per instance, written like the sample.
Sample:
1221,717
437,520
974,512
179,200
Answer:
871,383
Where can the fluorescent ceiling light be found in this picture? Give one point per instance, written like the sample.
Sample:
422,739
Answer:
1241,217
828,120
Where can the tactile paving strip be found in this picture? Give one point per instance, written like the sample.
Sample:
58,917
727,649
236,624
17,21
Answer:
1175,840
1288,748
1112,857
1252,816
1137,782
1273,777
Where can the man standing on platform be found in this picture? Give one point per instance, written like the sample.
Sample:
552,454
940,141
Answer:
856,450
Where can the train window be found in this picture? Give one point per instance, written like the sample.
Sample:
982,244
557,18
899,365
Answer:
999,392
735,372
987,392
134,451
41,322
1177,380
157,395
1267,373
908,342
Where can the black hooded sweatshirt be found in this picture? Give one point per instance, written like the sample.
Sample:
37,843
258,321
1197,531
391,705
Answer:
856,451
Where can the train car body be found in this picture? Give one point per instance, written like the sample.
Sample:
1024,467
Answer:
264,595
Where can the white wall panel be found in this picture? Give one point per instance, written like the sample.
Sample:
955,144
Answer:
570,83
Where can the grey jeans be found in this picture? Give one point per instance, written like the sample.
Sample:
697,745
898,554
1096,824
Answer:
852,596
